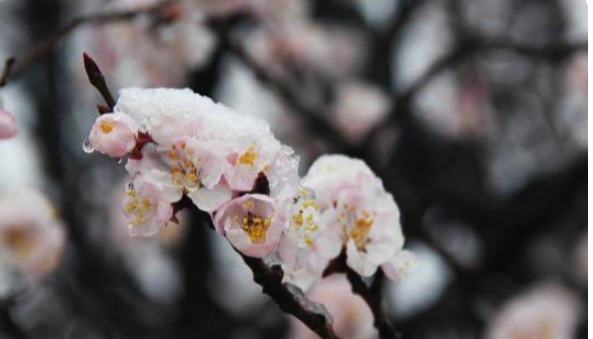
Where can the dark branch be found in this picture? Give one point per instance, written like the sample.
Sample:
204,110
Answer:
290,299
372,296
15,66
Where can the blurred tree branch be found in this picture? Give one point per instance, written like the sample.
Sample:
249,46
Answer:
14,66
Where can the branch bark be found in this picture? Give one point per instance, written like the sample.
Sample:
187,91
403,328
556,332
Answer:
290,299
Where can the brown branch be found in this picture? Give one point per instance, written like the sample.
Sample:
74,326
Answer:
41,49
291,299
372,295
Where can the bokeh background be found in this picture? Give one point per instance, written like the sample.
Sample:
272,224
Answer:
473,112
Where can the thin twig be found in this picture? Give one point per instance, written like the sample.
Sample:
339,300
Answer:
41,49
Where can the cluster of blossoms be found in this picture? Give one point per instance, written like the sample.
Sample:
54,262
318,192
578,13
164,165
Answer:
31,238
181,145
7,123
145,48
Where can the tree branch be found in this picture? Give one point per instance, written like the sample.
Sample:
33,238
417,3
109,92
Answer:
373,297
291,299
17,65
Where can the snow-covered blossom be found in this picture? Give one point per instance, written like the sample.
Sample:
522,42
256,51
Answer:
114,134
31,238
252,224
232,167
359,214
197,148
351,316
545,312
7,123
359,107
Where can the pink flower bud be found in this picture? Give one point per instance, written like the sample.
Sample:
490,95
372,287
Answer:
7,124
114,134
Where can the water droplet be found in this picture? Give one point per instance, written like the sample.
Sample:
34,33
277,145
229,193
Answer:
129,187
120,161
87,146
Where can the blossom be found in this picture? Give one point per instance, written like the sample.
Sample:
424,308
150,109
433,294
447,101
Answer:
197,168
114,134
246,143
351,316
397,267
360,216
148,204
7,123
359,107
251,223
545,312
31,238
141,52
331,51
302,262
190,146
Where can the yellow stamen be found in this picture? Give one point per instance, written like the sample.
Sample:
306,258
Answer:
106,126
248,158
256,227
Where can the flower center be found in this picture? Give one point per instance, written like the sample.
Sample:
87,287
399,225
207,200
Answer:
106,126
19,242
138,208
185,172
256,226
360,231
306,225
248,158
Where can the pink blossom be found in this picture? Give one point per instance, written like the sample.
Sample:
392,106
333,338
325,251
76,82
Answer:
359,214
7,123
197,168
148,204
329,50
219,134
114,134
352,318
545,312
31,238
358,108
251,223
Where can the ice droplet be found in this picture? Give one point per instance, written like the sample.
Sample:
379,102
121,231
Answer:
87,146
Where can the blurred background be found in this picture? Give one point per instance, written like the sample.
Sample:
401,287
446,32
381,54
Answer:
473,112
